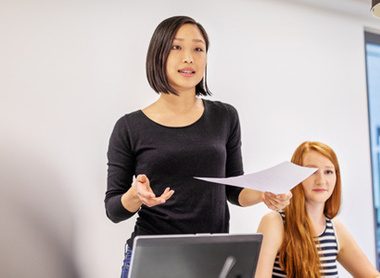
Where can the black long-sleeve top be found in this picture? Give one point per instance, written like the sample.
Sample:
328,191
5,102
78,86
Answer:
172,157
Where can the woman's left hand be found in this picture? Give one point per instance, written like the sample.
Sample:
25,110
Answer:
276,202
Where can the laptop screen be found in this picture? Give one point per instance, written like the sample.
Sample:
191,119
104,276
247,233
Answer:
195,256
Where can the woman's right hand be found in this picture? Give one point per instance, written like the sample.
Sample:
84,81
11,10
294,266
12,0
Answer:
145,193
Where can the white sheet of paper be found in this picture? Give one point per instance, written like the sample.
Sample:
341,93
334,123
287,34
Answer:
278,179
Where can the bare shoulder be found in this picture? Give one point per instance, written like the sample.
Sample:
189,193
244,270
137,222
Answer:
344,237
337,222
339,227
272,228
271,220
273,216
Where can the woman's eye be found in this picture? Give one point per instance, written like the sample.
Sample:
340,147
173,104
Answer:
329,172
198,49
176,47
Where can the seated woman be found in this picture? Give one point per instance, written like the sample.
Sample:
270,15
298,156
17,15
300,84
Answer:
304,239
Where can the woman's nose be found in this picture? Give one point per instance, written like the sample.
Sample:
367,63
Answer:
320,178
188,58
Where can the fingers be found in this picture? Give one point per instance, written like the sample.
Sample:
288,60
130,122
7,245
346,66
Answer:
151,202
167,194
143,187
269,200
146,194
142,178
276,202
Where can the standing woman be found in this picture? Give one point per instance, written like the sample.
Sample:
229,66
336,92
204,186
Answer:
174,139
304,239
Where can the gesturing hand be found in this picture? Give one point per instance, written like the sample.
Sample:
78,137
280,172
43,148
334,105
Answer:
146,195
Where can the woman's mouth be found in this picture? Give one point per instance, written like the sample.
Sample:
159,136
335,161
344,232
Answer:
319,190
186,72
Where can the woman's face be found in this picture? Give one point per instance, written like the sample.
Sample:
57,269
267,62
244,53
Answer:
187,59
320,185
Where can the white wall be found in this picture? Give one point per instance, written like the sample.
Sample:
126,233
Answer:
69,69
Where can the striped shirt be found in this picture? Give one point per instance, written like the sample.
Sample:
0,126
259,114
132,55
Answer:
327,246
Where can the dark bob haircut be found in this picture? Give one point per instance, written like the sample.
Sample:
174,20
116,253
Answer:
159,50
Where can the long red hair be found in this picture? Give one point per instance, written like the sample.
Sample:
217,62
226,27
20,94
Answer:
298,254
